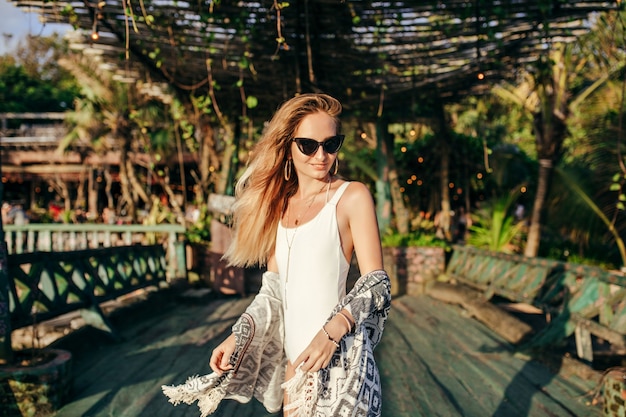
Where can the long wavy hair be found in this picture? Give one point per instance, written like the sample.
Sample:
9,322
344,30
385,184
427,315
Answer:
262,193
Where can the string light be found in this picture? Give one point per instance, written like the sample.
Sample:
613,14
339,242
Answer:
97,15
94,30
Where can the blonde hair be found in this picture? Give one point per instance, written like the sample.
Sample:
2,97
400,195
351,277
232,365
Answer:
262,191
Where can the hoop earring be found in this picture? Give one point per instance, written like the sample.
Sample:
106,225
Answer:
336,166
287,169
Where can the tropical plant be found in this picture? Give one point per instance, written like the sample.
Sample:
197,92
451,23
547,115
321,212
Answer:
551,94
116,117
495,227
583,203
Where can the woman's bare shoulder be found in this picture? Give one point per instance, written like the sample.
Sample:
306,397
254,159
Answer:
357,192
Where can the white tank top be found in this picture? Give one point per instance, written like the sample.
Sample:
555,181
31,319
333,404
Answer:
316,277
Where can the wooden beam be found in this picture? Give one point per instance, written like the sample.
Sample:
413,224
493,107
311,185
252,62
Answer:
34,116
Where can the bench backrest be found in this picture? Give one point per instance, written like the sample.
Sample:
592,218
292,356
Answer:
514,277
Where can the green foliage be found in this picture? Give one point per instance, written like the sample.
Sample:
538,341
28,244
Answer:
252,102
494,227
563,248
158,214
418,238
572,209
423,233
200,231
32,81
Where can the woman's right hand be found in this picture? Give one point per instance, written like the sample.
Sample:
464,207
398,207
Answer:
221,355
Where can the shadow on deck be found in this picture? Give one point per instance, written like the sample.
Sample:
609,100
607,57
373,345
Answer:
434,361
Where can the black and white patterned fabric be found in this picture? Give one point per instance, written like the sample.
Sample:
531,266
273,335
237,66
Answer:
258,361
349,386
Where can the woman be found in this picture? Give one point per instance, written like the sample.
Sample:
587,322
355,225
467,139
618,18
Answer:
307,223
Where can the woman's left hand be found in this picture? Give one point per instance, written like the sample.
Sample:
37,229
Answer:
321,349
317,355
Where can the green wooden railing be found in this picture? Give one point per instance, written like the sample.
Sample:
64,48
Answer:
52,269
48,284
58,237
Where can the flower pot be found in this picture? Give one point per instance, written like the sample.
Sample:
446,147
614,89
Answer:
35,388
411,268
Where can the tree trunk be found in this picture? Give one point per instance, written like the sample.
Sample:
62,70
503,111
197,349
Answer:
107,188
383,193
401,213
550,128
92,194
80,191
444,220
534,231
442,132
234,160
137,187
124,181
401,217
181,165
206,143
227,160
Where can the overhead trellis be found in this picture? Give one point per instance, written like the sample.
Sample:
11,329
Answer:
373,55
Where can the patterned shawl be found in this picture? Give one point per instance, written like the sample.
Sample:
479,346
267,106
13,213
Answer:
349,386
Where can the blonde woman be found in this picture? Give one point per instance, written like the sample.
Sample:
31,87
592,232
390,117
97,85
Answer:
303,341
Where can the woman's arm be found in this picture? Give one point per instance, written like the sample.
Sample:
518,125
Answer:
220,357
359,227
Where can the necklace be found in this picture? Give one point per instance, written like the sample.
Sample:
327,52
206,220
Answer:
308,206
295,229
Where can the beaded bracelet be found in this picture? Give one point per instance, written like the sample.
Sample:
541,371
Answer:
330,338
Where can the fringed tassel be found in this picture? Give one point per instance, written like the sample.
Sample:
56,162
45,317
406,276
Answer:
302,393
197,388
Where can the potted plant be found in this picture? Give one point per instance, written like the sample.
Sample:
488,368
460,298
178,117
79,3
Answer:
198,239
413,259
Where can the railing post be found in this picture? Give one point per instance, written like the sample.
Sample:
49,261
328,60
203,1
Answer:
171,252
31,241
6,350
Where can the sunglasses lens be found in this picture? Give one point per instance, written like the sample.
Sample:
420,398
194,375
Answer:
307,146
332,145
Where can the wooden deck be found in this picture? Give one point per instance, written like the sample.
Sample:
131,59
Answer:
434,361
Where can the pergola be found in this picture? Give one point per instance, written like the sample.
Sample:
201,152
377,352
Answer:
376,56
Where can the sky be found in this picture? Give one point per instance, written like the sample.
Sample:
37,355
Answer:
15,24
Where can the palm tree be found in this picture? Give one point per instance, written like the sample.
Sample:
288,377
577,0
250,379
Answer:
550,96
107,118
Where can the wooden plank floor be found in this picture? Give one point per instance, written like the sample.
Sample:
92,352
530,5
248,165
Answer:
434,361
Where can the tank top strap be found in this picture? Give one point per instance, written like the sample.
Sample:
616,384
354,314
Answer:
339,193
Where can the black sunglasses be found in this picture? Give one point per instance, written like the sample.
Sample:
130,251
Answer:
309,146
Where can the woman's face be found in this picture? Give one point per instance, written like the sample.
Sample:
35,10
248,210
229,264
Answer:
319,127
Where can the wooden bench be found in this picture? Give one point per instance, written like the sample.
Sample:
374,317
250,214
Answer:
45,285
584,301
577,300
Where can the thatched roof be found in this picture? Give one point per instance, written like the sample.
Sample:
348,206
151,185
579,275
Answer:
398,53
